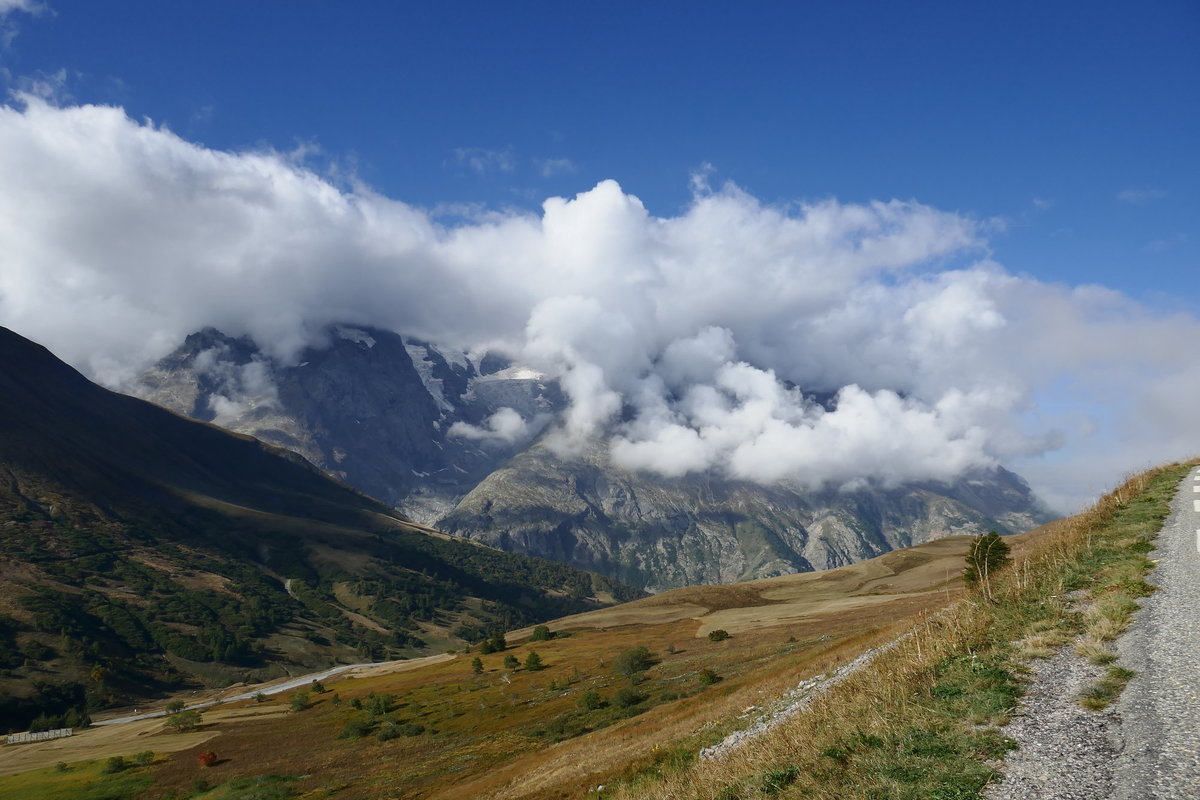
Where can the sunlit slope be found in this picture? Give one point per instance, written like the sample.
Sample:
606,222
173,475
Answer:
911,575
511,732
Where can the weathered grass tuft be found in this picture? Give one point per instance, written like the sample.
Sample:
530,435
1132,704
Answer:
1095,651
1100,694
1044,643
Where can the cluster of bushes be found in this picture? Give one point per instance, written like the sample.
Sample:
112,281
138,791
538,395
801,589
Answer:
634,661
183,721
226,623
378,715
51,706
596,711
398,612
533,662
115,764
72,718
542,633
495,643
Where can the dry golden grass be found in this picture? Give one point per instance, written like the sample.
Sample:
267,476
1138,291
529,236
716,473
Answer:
1095,651
93,743
783,630
486,739
1044,643
1108,616
923,572
878,699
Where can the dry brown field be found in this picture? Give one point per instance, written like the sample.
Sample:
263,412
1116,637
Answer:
494,735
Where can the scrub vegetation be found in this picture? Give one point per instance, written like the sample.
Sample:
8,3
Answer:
627,697
925,720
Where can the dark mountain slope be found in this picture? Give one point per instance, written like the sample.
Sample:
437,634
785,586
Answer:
140,549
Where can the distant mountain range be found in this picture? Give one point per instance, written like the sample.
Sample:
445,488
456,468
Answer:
379,411
140,550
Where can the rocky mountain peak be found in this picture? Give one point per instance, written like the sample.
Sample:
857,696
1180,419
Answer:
370,407
454,441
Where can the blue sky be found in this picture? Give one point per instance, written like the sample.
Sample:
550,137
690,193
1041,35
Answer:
911,203
1076,123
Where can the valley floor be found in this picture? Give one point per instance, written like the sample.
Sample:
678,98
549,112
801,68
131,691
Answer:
438,729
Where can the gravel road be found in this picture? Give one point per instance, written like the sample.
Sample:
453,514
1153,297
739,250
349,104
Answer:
1160,709
1066,752
1146,746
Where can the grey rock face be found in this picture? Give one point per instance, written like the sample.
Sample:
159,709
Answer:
659,533
370,408
376,411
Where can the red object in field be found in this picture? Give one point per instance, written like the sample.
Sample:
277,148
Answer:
207,758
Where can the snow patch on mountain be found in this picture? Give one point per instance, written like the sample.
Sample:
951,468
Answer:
356,335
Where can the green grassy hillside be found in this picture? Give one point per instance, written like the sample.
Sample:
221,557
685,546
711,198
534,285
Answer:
140,551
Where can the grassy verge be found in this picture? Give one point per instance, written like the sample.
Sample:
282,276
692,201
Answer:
924,721
85,780
94,780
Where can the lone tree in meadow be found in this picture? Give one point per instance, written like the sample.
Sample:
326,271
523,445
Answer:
634,660
301,701
477,665
184,721
988,554
533,662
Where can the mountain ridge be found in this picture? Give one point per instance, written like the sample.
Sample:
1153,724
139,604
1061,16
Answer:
140,549
515,494
683,531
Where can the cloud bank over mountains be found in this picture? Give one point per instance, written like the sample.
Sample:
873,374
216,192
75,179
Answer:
694,342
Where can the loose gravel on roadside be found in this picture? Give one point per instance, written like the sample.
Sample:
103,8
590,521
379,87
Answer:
1147,745
1160,709
1066,752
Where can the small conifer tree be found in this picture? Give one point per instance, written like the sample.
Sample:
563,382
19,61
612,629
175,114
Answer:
988,554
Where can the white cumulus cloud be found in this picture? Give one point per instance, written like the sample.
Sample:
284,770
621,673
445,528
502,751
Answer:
505,426
822,342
